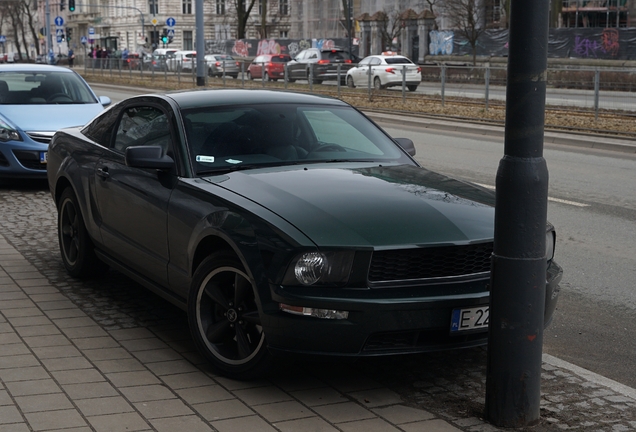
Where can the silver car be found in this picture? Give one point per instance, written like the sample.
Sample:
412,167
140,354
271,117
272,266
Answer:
217,64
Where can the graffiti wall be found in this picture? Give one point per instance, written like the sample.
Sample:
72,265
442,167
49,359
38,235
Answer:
584,43
256,47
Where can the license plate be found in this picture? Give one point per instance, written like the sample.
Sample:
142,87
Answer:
44,157
470,318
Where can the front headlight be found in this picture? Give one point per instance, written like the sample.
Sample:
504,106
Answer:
550,238
320,268
7,133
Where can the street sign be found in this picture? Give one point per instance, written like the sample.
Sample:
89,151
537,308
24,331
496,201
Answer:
3,38
91,31
59,32
59,21
154,21
171,32
59,39
171,22
83,40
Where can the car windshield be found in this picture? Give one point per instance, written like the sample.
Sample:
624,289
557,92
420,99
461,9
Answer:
240,137
43,87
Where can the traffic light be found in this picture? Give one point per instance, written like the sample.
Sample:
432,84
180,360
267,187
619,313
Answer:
164,36
71,5
69,34
62,4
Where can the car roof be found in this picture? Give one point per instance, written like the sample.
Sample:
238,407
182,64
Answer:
32,67
223,97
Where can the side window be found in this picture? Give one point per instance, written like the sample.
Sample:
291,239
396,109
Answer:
375,61
140,126
101,129
364,61
313,55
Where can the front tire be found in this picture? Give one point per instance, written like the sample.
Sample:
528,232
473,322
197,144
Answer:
249,75
350,82
265,76
377,84
224,318
412,88
76,247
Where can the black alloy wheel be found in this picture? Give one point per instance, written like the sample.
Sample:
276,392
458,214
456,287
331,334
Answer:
76,247
224,318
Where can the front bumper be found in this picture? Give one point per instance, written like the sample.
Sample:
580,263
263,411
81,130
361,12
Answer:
23,159
384,324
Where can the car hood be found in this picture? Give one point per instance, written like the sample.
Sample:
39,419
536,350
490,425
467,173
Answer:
49,118
370,206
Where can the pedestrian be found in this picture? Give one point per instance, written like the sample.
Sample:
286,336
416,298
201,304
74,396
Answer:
71,57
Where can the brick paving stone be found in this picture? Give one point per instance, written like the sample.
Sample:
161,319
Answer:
163,408
9,414
119,422
398,414
90,331
29,321
135,378
23,374
283,411
14,350
314,424
18,361
261,395
62,419
232,408
187,380
183,423
119,365
147,393
56,352
90,390
78,376
43,330
104,405
319,396
376,397
160,355
47,402
171,367
371,425
343,412
210,393
68,363
243,424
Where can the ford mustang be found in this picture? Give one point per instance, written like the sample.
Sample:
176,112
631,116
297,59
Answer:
283,223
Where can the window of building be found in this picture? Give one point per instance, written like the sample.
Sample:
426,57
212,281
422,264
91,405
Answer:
283,6
283,34
187,40
153,6
220,7
186,7
260,7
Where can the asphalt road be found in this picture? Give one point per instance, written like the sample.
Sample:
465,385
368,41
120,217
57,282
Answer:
593,206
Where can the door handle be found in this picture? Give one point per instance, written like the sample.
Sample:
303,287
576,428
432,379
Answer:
103,172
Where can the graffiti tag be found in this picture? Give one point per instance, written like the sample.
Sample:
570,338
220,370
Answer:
441,43
241,48
268,47
609,39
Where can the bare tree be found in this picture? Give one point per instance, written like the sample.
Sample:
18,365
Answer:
431,5
263,19
467,19
243,9
30,21
391,27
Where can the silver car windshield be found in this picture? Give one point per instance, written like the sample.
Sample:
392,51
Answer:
43,87
241,137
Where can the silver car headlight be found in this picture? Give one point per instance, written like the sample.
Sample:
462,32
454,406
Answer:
7,133
550,239
320,268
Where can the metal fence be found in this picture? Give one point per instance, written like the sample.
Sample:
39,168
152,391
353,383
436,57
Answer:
581,89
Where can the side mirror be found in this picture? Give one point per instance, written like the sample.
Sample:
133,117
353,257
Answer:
148,157
104,100
406,144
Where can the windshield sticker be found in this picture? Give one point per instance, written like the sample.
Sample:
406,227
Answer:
233,161
208,159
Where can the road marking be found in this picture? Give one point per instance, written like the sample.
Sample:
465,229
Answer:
561,201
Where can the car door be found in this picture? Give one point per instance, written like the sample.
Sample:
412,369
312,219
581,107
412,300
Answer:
296,68
133,202
257,69
359,72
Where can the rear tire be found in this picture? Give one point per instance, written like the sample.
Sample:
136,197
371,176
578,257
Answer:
76,247
412,88
265,76
377,84
350,82
224,318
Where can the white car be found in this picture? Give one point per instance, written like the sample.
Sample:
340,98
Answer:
182,60
386,71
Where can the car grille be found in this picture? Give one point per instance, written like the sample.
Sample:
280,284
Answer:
421,340
29,159
41,137
430,263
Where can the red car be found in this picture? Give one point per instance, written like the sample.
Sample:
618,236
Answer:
269,66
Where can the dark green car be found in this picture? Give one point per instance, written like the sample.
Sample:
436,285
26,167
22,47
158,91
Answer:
283,223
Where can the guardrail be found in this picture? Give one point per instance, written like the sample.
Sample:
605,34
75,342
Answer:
581,89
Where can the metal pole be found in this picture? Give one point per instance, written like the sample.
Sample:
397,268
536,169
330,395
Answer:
263,74
404,84
200,43
518,278
369,82
487,79
49,42
597,85
286,75
443,78
339,80
311,77
242,74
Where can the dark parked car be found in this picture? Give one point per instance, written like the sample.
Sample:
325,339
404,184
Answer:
282,223
320,65
268,66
